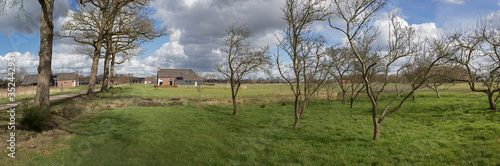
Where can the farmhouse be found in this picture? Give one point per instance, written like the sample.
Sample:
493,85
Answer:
66,79
58,80
149,80
179,77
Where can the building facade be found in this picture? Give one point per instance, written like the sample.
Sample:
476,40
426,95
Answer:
58,80
180,77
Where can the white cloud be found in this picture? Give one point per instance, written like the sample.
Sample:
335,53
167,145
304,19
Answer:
423,30
426,30
27,22
172,54
203,24
28,61
451,1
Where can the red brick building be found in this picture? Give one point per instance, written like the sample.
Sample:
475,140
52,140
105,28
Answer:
182,77
58,80
66,79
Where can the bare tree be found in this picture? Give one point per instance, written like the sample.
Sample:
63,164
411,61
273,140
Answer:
241,59
87,27
443,77
112,25
341,60
307,71
356,86
479,55
330,86
132,28
402,43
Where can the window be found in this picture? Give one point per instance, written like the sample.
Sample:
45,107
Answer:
179,78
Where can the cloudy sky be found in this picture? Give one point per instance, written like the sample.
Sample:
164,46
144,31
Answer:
198,31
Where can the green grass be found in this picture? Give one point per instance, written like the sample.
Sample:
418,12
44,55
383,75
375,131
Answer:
148,91
457,129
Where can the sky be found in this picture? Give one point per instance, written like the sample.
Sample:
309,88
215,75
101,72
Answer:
198,29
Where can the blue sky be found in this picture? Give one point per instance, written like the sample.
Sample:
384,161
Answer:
198,27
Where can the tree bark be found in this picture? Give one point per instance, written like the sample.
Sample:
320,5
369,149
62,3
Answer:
297,114
343,96
297,118
413,95
45,63
233,95
352,102
235,106
95,66
112,71
107,58
376,130
437,93
492,102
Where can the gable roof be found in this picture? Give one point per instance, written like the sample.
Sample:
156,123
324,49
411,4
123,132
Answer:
152,79
187,74
30,79
64,76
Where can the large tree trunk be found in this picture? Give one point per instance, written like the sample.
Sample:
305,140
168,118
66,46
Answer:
93,70
112,72
44,66
107,58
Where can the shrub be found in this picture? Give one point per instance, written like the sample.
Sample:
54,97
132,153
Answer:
36,119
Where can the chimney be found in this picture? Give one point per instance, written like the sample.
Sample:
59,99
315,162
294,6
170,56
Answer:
76,72
158,68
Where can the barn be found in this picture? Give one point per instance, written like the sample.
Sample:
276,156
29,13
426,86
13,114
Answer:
178,77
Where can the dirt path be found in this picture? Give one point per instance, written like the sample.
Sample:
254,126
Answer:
52,98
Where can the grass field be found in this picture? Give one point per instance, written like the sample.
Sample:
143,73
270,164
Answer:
457,129
28,92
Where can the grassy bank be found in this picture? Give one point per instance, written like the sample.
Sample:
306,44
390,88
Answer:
457,129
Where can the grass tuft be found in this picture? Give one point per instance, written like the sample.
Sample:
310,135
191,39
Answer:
36,119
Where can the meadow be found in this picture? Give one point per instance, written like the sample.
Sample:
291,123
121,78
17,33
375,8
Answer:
124,127
24,93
